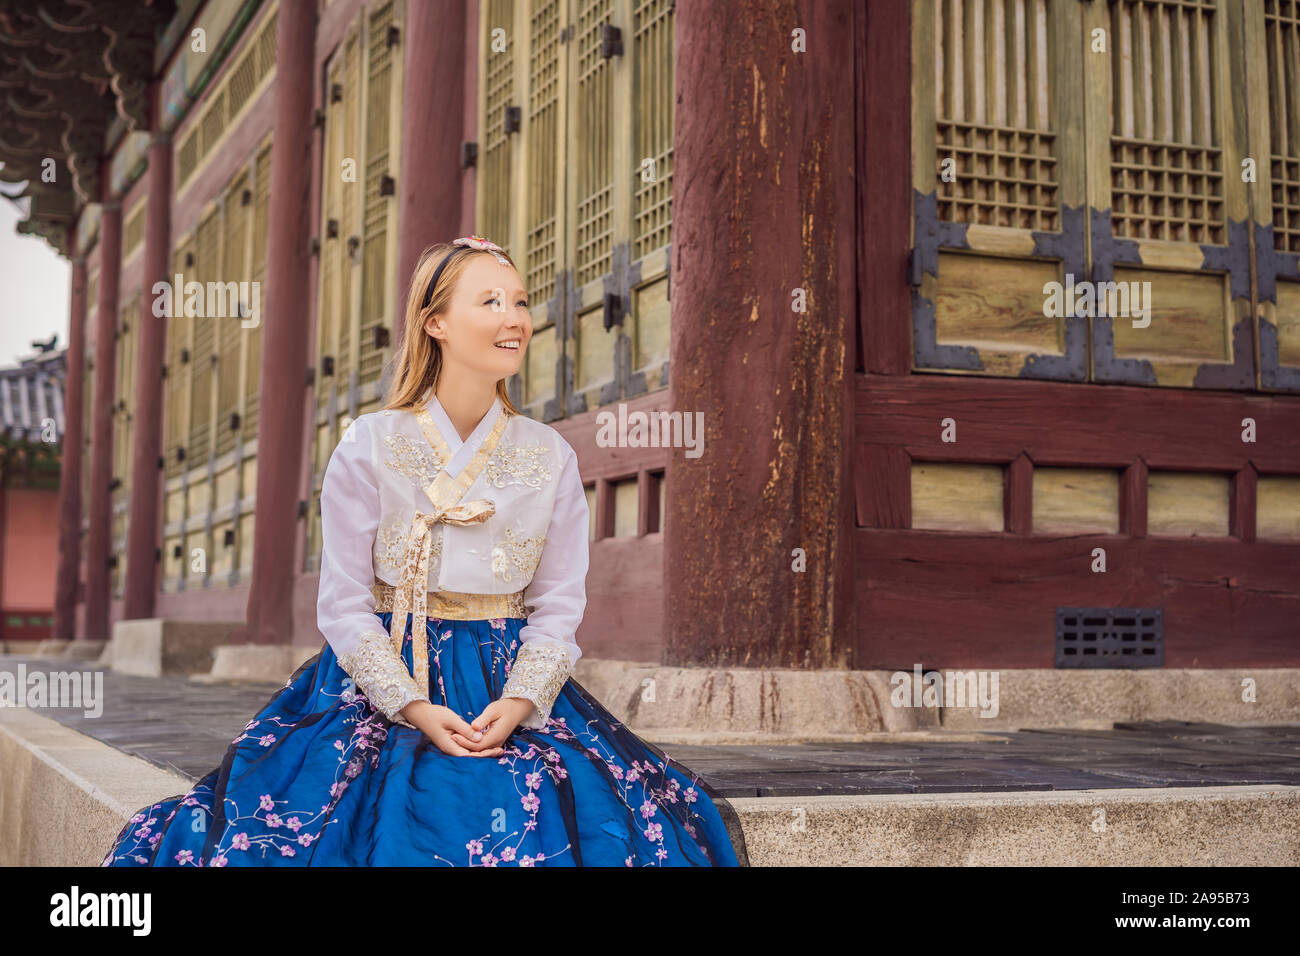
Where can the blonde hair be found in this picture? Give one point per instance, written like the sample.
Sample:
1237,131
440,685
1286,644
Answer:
419,363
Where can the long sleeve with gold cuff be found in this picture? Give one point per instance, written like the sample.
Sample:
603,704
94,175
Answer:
556,597
345,605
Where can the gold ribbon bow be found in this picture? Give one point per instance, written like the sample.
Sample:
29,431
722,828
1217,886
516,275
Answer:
412,596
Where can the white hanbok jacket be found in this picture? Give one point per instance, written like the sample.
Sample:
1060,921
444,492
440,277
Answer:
416,520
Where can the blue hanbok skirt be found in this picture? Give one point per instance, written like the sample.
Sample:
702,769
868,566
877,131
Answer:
320,778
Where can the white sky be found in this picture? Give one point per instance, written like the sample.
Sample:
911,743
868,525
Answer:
34,286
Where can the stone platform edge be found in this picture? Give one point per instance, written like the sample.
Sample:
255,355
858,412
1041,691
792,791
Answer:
740,705
732,705
64,797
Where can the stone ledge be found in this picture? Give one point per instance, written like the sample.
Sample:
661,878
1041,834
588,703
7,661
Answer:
738,705
65,796
257,662
71,650
1096,699
30,647
743,705
1180,826
152,647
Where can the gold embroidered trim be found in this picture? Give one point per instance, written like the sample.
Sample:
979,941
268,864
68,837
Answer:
431,434
390,546
445,491
538,674
518,465
515,559
457,605
409,459
381,675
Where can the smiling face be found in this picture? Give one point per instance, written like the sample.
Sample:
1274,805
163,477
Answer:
488,325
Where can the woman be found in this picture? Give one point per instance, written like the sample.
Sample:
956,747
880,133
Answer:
447,515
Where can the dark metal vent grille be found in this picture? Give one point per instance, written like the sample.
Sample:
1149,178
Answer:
1110,637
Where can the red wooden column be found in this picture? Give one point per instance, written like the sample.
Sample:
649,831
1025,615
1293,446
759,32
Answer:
285,334
431,185
762,207
99,536
141,587
74,404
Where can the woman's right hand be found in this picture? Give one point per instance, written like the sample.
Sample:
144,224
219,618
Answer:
439,722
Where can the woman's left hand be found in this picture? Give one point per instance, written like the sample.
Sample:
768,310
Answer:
497,722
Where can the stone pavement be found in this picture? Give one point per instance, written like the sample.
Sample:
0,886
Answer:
1132,755
186,725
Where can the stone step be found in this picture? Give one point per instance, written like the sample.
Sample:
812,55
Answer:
64,797
1176,826
1154,793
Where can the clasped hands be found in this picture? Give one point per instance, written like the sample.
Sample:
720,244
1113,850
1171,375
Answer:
481,738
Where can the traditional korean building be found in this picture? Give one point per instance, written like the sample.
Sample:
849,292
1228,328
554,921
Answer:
833,228
31,432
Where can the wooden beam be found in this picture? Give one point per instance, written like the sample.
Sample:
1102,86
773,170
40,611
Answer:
989,600
1072,424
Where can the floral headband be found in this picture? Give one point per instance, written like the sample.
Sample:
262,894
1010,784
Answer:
468,242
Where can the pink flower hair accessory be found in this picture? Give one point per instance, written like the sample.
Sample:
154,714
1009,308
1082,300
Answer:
481,243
